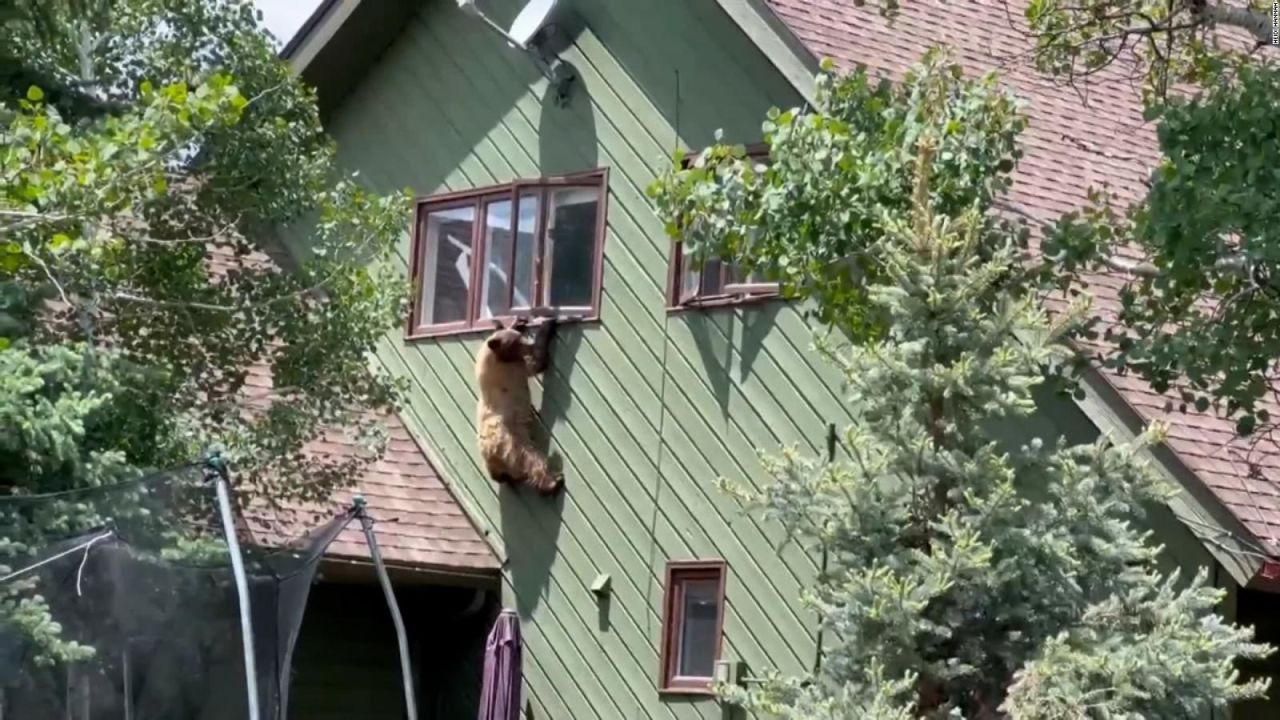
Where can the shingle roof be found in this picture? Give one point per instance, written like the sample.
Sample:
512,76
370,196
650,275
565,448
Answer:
418,520
1074,142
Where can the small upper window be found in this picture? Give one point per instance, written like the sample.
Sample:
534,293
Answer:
692,624
718,281
507,250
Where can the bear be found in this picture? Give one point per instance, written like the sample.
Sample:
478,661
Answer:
504,411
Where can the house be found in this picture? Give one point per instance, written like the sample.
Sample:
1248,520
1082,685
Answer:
636,581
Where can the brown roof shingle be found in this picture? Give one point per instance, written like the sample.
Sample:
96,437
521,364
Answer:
1076,139
418,520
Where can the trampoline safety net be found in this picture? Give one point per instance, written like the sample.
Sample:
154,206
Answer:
120,603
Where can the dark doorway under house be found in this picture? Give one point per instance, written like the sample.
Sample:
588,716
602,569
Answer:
346,663
1261,610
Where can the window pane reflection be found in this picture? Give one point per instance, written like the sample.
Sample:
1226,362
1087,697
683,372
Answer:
447,275
699,620
569,258
529,206
497,257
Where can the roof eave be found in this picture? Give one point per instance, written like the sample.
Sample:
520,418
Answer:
334,48
781,46
316,32
1221,533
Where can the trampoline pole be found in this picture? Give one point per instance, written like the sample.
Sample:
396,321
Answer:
128,683
406,669
242,590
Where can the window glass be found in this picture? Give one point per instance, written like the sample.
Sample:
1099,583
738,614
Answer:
526,242
690,282
739,276
701,282
712,274
569,257
497,258
699,615
446,280
537,246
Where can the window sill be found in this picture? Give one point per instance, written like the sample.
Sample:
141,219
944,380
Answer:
488,327
726,301
689,691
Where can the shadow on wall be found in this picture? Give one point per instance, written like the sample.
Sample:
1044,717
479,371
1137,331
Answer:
530,529
566,124
567,134
713,335
556,393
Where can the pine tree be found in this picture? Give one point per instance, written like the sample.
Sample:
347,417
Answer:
968,576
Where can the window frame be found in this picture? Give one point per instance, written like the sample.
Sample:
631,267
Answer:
679,572
479,199
730,293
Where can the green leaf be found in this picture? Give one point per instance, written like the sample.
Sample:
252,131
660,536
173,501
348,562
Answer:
35,94
1246,424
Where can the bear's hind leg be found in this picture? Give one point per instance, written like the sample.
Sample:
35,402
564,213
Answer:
537,472
497,470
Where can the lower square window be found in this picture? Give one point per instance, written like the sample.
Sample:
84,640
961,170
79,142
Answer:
693,621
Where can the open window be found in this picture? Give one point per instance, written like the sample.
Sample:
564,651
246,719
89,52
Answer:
692,625
718,281
527,247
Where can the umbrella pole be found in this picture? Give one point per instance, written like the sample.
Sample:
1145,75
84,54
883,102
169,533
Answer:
406,669
218,470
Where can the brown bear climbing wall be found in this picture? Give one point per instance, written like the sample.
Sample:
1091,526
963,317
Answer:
504,412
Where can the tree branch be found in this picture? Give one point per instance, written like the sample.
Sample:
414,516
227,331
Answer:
1256,23
1143,269
1232,264
23,218
49,274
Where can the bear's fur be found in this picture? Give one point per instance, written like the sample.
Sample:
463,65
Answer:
504,412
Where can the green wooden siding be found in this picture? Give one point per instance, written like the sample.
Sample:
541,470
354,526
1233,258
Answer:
646,409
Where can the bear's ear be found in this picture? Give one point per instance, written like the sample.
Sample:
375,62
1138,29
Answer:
498,325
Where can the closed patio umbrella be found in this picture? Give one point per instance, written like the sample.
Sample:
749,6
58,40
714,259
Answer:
500,693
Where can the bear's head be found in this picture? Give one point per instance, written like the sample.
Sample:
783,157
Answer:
507,345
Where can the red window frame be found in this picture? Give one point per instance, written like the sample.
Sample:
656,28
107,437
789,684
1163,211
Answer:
479,199
726,291
679,573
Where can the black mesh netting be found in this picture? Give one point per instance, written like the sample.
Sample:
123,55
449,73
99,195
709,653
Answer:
121,603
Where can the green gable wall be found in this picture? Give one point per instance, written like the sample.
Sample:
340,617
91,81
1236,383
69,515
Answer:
645,408
450,107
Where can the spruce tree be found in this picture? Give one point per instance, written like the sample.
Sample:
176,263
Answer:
968,575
